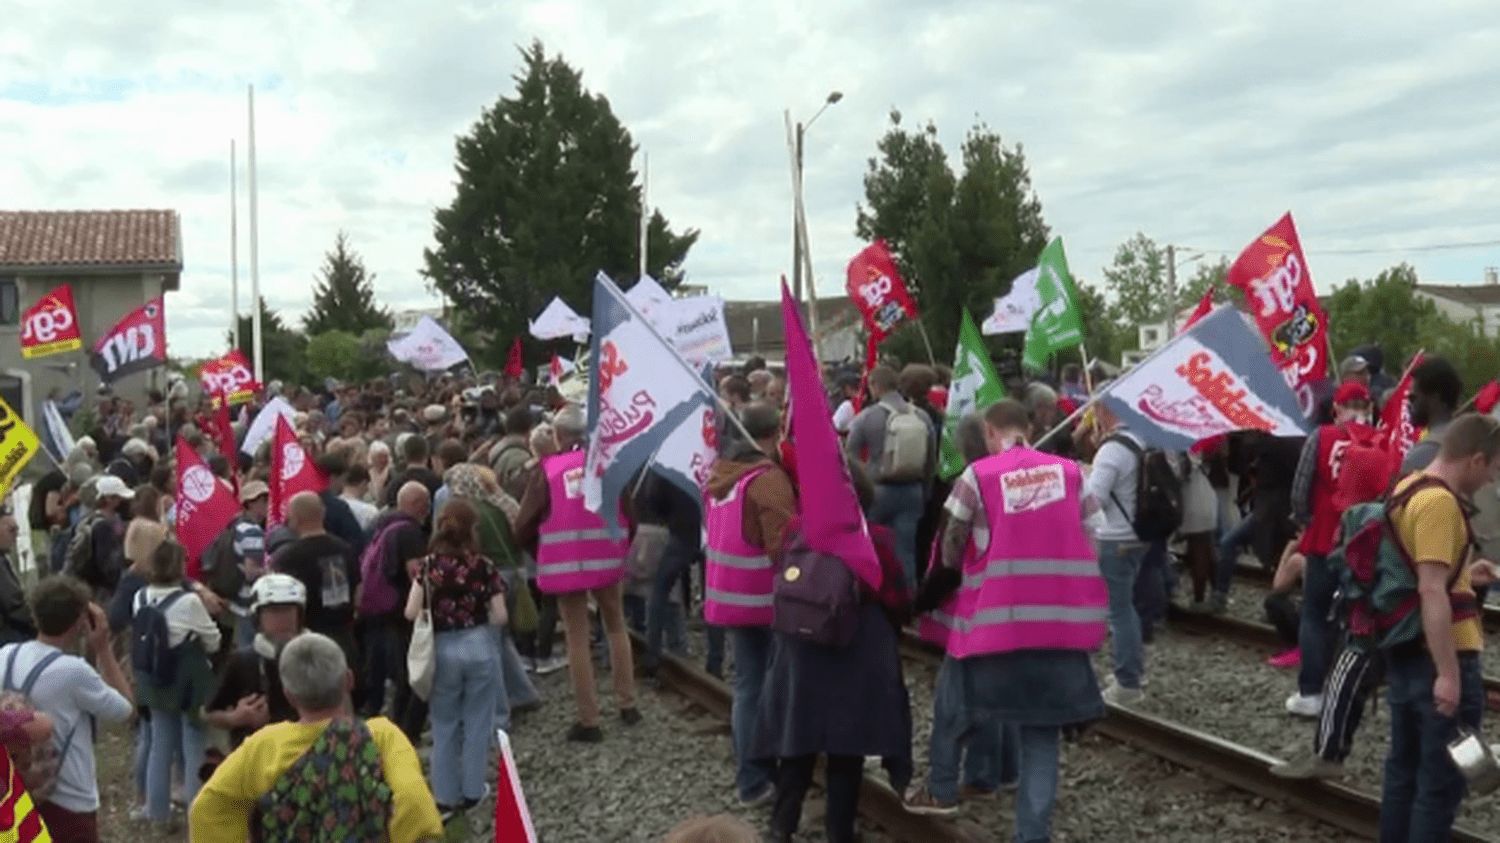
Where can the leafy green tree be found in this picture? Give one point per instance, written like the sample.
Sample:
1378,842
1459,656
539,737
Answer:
344,297
334,354
958,240
285,349
1384,310
1137,282
1205,275
546,197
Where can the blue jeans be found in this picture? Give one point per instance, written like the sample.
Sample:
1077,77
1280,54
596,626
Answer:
142,758
989,749
1038,787
1229,552
1422,788
713,657
752,660
1153,584
462,709
1315,636
519,690
899,507
1120,562
663,617
635,613
173,733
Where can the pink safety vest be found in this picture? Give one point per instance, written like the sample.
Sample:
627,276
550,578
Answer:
1037,585
739,575
574,549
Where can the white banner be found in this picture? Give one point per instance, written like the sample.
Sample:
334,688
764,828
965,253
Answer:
650,299
428,347
1014,310
265,424
696,328
558,320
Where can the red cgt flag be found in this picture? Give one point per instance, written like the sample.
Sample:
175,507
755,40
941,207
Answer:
223,432
204,505
514,367
51,325
1272,272
875,286
1395,418
229,376
291,472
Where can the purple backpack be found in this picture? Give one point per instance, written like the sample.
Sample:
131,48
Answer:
377,595
816,596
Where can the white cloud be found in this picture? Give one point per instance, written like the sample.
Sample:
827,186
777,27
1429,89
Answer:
1197,123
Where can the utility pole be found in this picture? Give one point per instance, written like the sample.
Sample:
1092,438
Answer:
234,247
797,213
255,337
1171,319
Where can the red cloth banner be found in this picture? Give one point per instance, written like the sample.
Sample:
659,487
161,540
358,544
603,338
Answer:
231,376
292,472
1272,272
136,343
514,367
1400,434
875,286
205,505
51,325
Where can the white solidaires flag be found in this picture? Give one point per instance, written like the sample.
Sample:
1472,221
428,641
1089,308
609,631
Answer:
558,320
428,347
1014,310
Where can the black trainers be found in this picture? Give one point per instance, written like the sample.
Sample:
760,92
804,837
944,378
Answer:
630,716
585,734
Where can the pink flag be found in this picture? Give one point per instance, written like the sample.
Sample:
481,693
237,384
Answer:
512,820
834,523
204,505
292,471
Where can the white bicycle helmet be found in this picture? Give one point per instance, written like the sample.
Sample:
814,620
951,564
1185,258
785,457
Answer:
277,590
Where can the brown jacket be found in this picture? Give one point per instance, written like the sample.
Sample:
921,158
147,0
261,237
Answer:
770,500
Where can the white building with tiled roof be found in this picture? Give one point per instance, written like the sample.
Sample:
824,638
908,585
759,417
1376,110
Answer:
1475,304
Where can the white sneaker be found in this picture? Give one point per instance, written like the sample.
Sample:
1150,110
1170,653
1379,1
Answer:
1117,694
551,665
1305,706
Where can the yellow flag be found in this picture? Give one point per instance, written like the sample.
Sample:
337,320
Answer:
18,444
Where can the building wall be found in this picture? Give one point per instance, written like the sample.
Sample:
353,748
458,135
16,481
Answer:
1456,311
101,301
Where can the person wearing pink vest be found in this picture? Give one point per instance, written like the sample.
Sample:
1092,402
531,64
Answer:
1020,594
576,557
748,503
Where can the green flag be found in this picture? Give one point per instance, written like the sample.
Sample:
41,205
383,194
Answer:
975,387
1056,325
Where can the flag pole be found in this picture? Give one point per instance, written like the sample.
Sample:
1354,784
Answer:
921,328
234,247
1088,379
614,290
255,336
645,213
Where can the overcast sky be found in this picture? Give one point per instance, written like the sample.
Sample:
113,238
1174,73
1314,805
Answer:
1376,123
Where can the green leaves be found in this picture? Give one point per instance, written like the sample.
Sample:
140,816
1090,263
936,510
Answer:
344,297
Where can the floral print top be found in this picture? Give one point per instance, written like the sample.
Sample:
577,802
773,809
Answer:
460,588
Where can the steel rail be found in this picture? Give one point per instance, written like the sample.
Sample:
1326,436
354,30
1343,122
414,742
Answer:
1257,574
877,802
1240,767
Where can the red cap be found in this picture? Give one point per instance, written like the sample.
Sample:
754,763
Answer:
1351,391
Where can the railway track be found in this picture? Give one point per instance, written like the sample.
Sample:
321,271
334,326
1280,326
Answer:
1346,808
1255,573
877,802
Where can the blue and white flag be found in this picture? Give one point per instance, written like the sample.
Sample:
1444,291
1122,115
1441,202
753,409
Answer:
1216,377
641,396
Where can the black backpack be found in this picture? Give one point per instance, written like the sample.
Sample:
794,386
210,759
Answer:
1158,493
151,651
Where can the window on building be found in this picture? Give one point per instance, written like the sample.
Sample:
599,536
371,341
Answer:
10,302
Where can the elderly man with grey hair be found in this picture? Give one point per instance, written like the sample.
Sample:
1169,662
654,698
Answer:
578,559
285,768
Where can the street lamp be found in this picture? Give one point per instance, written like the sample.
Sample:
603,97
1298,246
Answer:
799,243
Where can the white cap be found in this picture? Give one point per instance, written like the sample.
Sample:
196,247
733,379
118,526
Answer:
110,486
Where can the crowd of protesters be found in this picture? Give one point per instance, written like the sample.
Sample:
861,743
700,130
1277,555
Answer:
452,510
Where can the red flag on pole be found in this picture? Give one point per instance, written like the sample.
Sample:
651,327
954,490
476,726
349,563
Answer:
512,819
291,472
831,519
1273,274
51,325
514,367
1395,418
223,431
1205,307
1487,397
875,286
229,377
205,506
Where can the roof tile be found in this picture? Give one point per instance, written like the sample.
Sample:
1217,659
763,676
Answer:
89,238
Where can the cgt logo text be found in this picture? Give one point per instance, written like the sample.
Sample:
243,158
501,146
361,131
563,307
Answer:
47,324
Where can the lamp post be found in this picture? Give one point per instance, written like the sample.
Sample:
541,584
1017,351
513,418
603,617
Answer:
799,218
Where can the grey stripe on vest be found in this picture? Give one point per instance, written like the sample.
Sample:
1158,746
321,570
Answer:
579,566
565,536
1023,614
1033,568
731,560
730,598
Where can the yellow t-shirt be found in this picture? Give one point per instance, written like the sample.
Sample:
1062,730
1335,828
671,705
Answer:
1433,529
223,808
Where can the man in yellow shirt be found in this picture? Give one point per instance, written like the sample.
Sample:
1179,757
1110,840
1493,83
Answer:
1436,684
288,776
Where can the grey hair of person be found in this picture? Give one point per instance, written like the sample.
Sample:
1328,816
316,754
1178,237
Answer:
379,446
570,424
312,669
970,436
1039,394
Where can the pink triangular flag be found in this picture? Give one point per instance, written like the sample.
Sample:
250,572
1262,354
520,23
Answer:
835,525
